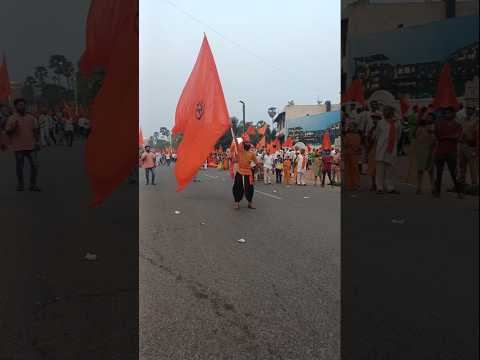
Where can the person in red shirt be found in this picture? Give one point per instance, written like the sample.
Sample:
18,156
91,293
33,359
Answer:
23,132
447,134
327,160
148,163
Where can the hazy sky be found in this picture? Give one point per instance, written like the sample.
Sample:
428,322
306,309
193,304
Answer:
31,31
268,52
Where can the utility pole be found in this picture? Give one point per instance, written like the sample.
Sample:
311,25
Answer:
243,112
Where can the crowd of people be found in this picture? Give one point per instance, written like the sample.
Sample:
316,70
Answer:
25,133
378,133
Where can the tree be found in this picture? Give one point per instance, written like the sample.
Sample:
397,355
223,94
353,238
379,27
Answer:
60,66
41,74
28,90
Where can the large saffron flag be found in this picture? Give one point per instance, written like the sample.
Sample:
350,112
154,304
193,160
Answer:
201,116
445,95
5,90
404,106
113,124
104,22
261,143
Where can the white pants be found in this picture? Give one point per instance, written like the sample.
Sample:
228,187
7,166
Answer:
301,178
267,175
44,135
384,176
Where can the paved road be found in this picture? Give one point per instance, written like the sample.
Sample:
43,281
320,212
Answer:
203,295
53,303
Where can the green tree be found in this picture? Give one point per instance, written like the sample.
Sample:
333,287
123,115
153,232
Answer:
41,75
28,90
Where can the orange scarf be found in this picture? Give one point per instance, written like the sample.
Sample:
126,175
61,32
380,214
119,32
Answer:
391,136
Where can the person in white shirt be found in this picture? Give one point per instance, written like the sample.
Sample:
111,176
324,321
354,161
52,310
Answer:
44,123
267,168
387,134
301,167
68,128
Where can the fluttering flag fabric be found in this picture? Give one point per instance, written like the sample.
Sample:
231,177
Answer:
262,130
354,93
201,116
288,143
326,144
5,90
104,22
113,124
445,95
141,140
404,106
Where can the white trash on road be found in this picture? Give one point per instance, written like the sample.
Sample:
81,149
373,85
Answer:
242,241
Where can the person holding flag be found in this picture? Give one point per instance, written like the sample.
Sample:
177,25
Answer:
243,178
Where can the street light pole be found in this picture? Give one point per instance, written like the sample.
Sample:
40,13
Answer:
243,112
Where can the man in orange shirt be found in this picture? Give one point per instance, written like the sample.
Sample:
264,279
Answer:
23,132
148,163
243,183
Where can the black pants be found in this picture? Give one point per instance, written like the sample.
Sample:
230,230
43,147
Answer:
149,171
242,186
52,136
278,176
329,174
20,162
451,161
69,137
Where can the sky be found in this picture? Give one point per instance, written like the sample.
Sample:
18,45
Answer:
31,31
267,53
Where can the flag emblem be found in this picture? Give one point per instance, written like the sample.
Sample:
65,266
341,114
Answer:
199,110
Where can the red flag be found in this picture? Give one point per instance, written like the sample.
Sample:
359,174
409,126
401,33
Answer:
141,140
5,90
251,130
326,145
201,116
113,124
288,143
354,92
445,96
404,106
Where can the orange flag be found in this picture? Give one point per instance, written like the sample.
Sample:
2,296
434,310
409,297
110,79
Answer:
201,116
445,96
326,145
141,141
113,124
288,143
354,92
104,22
262,130
251,130
261,143
5,90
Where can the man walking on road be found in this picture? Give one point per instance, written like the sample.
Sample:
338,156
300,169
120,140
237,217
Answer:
148,162
23,131
267,168
301,168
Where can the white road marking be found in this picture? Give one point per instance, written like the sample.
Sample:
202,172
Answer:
210,176
269,195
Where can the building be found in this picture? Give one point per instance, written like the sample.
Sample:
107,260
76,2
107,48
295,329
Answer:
292,111
362,18
309,129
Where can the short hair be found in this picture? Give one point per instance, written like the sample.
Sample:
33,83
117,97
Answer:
18,100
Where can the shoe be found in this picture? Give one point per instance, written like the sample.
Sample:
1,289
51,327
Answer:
35,188
236,206
20,188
